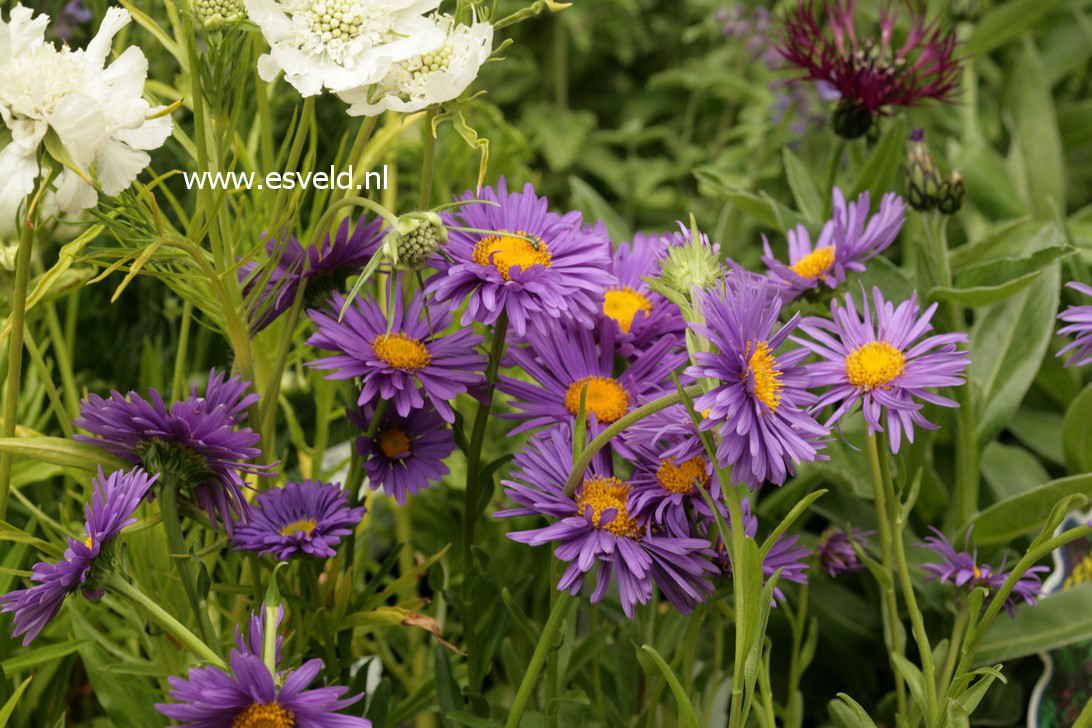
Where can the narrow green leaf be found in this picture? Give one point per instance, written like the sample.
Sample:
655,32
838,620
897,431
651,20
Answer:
805,190
1055,621
1005,22
9,706
995,280
40,656
848,713
63,452
1021,514
887,158
686,710
1037,133
911,673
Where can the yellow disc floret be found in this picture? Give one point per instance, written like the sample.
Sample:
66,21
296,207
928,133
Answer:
815,263
602,494
623,305
305,527
264,715
394,442
763,366
680,478
874,364
401,352
605,398
505,251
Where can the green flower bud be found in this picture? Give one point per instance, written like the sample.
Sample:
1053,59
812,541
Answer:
928,188
416,237
216,14
690,263
951,194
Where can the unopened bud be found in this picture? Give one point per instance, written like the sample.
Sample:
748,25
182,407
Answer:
923,179
689,261
851,120
216,14
951,194
415,239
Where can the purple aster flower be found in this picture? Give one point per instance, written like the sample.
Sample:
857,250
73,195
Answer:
886,364
311,516
198,440
1079,320
325,268
876,73
594,526
571,360
784,555
86,564
836,553
394,358
642,316
250,697
406,454
757,406
560,273
848,240
962,569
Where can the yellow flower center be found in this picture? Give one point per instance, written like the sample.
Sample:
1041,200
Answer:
264,715
623,304
88,543
763,366
394,442
977,572
602,494
401,352
605,398
505,251
874,364
305,527
815,263
680,478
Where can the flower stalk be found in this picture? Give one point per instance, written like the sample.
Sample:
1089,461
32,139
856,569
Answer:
15,355
545,643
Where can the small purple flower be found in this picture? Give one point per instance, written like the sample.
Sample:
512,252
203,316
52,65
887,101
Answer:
310,516
393,359
757,406
642,316
872,74
962,569
557,270
250,697
594,527
86,564
836,553
407,453
198,440
325,268
848,240
1079,320
885,364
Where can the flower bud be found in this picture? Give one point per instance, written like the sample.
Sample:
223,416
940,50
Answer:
928,189
689,262
851,121
415,239
216,14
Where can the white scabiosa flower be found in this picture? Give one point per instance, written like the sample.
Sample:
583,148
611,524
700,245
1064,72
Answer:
440,74
340,44
89,114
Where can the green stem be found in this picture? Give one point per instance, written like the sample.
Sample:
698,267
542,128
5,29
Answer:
165,620
180,555
739,554
178,381
428,159
837,149
273,388
953,650
799,627
15,355
538,658
891,613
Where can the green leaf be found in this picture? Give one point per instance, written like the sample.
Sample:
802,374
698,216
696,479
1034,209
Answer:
1005,22
686,710
447,690
970,698
114,692
1037,134
63,452
9,706
988,183
761,207
993,281
1055,621
804,188
911,673
1011,470
848,713
1077,433
878,174
40,656
1040,432
586,199
1007,345
967,255
1023,513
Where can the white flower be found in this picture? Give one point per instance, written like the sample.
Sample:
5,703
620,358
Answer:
339,44
94,112
430,78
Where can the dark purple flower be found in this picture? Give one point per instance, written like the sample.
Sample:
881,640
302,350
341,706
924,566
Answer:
310,516
394,358
407,453
876,73
883,363
757,405
962,569
1079,320
836,553
86,564
848,240
250,697
325,268
560,273
594,527
642,316
198,440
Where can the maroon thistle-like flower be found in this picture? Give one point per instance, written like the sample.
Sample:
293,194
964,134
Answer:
874,73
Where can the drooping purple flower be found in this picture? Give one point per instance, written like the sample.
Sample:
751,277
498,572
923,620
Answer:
558,270
885,364
643,317
269,292
836,553
1079,320
86,564
869,73
594,527
847,241
199,440
251,697
962,569
406,455
393,360
309,517
758,405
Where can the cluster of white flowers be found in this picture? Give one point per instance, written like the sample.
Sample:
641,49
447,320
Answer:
375,54
89,114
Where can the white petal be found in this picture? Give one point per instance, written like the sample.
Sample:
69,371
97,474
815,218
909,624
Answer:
118,166
73,194
17,172
99,48
81,127
149,135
